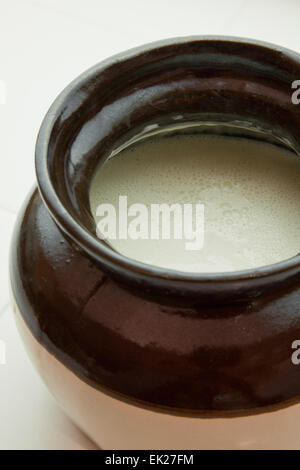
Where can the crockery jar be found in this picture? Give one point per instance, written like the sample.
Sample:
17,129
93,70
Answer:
142,357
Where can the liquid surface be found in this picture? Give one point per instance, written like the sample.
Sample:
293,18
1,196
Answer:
250,191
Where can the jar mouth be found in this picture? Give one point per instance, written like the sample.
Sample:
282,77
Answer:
90,114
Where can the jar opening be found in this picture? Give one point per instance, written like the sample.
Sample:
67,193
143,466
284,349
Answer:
221,85
200,196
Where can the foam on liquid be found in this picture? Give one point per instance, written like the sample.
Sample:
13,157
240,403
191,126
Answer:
250,189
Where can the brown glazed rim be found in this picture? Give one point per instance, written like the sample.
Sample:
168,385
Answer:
100,252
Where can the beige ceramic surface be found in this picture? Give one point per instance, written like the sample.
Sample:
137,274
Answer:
113,424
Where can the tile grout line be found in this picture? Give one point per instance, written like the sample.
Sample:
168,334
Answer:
233,16
75,18
8,211
2,310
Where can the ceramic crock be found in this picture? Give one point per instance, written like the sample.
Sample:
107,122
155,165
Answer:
138,356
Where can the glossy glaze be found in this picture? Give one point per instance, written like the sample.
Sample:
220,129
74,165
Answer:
201,345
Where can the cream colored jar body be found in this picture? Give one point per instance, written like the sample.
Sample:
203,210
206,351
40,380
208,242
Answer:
114,424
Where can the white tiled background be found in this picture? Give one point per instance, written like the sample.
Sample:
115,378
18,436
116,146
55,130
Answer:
44,44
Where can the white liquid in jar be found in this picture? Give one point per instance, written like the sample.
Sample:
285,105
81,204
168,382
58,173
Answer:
250,191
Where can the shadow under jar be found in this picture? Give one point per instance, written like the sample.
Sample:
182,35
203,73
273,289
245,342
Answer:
142,357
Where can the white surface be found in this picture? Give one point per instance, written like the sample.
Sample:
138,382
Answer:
44,44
